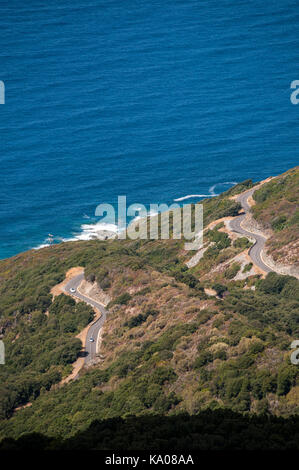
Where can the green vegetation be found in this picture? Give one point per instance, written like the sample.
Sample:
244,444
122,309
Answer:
38,349
167,347
140,318
277,209
242,243
247,268
147,371
239,188
220,289
209,430
218,207
232,271
122,299
220,239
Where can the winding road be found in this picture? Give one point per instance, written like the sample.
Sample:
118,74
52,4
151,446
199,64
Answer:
71,288
235,226
93,331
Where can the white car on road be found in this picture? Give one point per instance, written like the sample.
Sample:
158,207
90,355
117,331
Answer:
72,290
91,340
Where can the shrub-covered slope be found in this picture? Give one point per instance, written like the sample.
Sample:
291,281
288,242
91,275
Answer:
167,347
277,210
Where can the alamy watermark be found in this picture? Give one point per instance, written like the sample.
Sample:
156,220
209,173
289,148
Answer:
295,94
159,222
2,92
2,352
295,354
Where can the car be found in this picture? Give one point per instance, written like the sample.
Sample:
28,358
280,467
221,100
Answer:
91,340
72,290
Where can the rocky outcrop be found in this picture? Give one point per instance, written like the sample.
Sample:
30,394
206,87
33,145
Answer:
94,291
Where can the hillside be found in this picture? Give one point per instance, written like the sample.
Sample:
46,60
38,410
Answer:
276,209
215,336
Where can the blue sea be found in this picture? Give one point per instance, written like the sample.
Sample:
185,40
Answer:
155,100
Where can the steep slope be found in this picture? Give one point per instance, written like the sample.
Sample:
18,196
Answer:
167,346
276,209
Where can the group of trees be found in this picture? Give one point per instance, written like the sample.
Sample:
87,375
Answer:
42,348
145,380
46,346
209,430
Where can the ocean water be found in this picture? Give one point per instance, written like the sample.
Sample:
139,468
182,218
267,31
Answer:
155,100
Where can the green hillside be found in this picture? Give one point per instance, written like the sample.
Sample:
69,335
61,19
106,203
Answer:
168,347
277,209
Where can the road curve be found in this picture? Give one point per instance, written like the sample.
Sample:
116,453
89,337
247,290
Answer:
235,225
90,346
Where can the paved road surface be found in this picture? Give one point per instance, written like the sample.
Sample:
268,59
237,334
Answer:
90,346
235,225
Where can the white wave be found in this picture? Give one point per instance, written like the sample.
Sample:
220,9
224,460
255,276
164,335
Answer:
152,213
138,217
189,196
211,191
42,245
212,188
91,231
98,230
99,227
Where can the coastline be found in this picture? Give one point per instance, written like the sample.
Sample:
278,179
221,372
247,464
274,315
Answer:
104,231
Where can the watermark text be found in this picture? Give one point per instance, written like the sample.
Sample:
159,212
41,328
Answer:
295,94
159,222
2,92
2,352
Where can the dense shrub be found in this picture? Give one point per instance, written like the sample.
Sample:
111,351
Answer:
242,243
140,318
203,359
122,299
220,289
